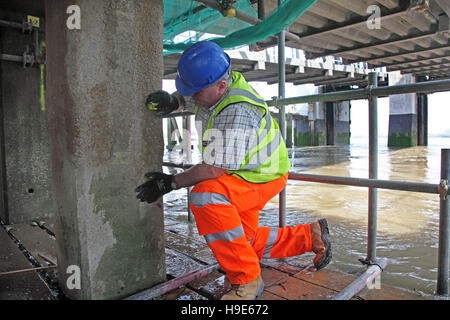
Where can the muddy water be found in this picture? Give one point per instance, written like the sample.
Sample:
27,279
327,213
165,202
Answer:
407,221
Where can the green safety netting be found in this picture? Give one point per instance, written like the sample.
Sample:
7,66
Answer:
187,21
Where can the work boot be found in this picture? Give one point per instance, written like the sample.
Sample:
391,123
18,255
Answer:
321,244
248,291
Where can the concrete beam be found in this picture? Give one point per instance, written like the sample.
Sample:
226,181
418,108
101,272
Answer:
406,64
389,3
390,45
429,67
359,7
396,27
434,50
351,28
445,5
328,11
312,20
420,20
103,140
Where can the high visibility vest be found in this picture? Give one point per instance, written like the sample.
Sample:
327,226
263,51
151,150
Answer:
267,158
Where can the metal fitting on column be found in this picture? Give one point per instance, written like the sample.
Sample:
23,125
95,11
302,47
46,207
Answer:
443,189
28,58
27,27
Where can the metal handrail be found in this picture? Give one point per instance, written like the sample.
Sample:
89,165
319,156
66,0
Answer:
371,183
441,189
371,92
366,93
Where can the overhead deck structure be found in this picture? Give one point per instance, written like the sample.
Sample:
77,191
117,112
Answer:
411,36
260,66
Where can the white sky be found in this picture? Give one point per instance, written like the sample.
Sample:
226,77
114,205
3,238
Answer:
438,115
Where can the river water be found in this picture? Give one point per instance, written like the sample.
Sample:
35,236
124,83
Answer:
408,222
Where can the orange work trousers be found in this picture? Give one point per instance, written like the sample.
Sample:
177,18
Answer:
226,210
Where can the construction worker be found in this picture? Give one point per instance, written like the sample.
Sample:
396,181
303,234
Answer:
245,164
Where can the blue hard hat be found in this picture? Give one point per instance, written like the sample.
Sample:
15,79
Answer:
200,66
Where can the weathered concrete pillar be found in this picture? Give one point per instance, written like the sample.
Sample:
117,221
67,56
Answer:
402,114
332,122
25,146
302,131
422,119
422,116
103,140
320,123
342,122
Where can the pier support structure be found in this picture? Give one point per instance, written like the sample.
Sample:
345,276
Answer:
327,123
103,141
422,117
25,168
402,114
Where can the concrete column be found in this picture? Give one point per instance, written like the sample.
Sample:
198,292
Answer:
342,123
330,118
402,114
102,142
422,117
302,131
25,146
332,123
320,123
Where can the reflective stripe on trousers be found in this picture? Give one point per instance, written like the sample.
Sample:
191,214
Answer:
226,211
273,234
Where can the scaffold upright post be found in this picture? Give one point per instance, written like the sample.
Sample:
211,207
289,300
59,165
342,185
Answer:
373,170
282,113
444,226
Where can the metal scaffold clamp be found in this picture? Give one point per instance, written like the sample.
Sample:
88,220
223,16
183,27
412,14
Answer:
381,263
275,99
443,189
228,8
28,60
369,89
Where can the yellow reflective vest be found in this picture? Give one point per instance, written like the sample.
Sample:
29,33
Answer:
267,158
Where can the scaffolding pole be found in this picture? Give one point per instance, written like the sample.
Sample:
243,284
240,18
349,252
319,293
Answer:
444,226
282,115
363,281
373,173
170,285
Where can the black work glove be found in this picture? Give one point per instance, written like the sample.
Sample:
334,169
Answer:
162,101
158,185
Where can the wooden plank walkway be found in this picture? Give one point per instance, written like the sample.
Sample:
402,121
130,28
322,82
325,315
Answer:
23,285
287,279
186,251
